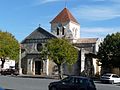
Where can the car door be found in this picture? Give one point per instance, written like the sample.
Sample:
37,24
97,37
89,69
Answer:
116,78
71,84
63,86
67,84
79,84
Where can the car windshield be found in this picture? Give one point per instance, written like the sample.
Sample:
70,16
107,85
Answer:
67,79
106,75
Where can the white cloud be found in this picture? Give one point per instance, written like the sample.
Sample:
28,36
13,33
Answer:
48,1
115,1
97,12
98,31
39,2
98,0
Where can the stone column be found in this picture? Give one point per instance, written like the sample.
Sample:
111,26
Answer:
82,60
29,67
20,69
47,66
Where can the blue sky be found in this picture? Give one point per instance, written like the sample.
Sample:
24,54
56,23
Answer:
96,17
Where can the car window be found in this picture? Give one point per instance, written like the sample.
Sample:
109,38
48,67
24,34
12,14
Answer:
80,81
68,80
77,81
115,76
72,80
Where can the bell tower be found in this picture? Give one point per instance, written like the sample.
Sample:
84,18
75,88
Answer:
65,25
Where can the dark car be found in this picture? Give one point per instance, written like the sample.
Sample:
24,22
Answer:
9,72
73,83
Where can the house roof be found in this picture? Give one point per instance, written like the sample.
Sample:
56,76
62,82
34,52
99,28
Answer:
87,40
39,34
64,16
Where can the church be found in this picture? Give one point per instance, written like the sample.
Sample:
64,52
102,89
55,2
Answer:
63,25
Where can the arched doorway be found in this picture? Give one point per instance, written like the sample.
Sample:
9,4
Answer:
89,67
38,67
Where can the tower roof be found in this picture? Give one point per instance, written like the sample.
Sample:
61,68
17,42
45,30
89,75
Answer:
64,16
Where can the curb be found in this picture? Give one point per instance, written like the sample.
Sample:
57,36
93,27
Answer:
37,76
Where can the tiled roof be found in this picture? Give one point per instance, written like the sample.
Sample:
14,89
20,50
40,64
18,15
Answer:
87,40
64,16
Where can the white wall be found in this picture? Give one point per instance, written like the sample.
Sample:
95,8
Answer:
8,63
72,30
75,28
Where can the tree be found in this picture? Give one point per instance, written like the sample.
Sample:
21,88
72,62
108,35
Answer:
9,47
61,51
109,51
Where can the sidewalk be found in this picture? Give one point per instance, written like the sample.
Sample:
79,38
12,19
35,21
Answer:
37,76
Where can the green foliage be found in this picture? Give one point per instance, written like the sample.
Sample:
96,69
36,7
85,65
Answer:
9,46
109,51
61,51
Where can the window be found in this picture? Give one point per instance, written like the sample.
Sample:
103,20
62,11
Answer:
75,32
57,31
39,47
115,76
63,30
73,29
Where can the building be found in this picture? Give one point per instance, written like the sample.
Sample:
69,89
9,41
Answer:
63,25
7,64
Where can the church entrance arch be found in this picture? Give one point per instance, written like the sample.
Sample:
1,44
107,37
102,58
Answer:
38,67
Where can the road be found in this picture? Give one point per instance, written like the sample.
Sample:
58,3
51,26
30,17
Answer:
107,86
18,83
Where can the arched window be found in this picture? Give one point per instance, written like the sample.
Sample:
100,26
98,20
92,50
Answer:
39,47
75,32
57,31
63,30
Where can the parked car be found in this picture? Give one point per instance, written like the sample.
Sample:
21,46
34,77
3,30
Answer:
9,72
110,78
73,83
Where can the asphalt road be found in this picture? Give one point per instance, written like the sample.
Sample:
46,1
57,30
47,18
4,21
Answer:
19,83
101,86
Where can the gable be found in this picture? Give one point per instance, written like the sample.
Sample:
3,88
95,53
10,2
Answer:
38,35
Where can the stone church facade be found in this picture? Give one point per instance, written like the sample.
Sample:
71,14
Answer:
63,25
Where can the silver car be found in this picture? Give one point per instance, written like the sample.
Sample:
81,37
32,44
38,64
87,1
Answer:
110,78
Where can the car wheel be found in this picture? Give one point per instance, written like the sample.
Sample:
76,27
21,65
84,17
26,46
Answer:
53,88
112,82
